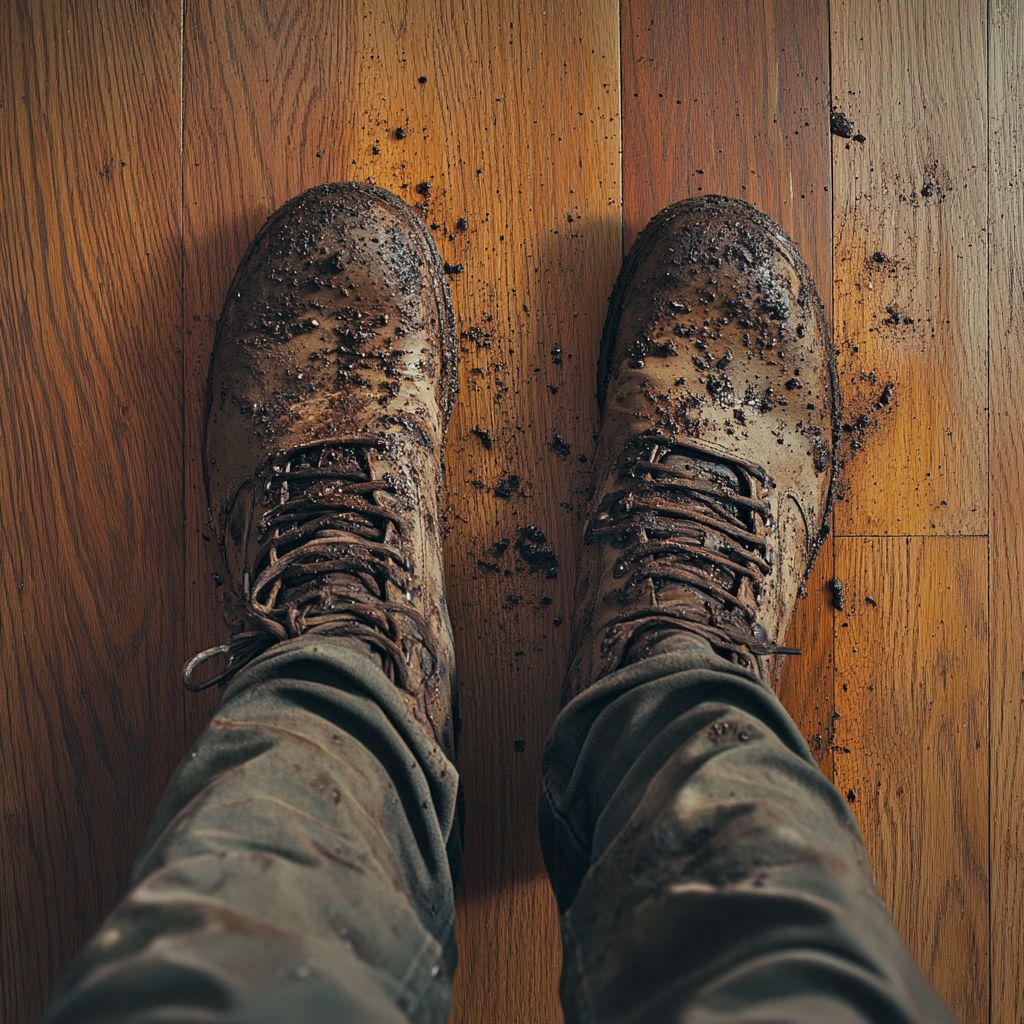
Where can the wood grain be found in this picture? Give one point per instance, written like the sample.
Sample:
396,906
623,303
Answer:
90,504
715,102
911,740
1006,463
911,77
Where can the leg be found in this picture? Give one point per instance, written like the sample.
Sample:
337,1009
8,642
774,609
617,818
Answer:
705,869
297,868
301,864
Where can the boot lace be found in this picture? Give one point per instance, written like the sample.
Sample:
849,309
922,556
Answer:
680,528
330,561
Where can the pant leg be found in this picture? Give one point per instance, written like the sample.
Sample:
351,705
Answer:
300,867
705,869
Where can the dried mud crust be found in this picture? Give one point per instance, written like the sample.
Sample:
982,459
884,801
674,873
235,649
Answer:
702,211
353,196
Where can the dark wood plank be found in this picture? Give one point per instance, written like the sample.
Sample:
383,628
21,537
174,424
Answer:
911,78
90,505
1006,470
911,744
733,99
730,99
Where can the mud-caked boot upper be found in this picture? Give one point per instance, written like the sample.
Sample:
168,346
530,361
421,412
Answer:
718,444
333,376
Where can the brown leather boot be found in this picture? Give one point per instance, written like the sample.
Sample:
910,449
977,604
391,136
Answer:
333,376
718,449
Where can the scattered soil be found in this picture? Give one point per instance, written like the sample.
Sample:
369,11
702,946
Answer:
533,549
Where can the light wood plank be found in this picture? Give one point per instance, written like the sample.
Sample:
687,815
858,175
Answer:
515,129
90,503
912,740
1006,461
910,75
714,103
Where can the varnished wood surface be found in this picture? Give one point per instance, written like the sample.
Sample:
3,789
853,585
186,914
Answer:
911,725
90,501
1006,516
911,219
915,192
143,146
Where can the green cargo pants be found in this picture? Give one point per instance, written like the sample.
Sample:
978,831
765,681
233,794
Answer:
302,864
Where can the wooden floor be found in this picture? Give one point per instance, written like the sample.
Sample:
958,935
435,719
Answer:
142,146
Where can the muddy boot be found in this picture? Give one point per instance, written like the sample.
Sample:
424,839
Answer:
717,457
333,376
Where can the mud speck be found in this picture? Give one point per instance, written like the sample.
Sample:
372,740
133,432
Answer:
533,549
507,487
559,445
424,188
879,257
851,796
841,125
400,133
479,337
462,224
454,268
871,601
835,586
484,436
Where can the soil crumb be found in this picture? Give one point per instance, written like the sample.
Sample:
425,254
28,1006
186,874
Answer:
533,549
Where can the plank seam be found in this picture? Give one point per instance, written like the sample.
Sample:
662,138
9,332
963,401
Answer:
911,536
622,180
988,465
182,13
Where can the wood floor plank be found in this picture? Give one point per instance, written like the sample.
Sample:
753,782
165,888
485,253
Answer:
522,139
267,112
910,258
719,104
515,129
714,103
911,744
1006,461
90,504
